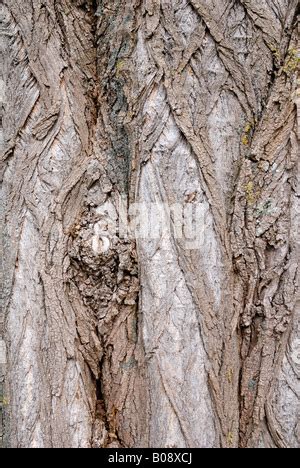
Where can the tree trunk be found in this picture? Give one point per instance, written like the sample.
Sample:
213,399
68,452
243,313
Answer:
121,122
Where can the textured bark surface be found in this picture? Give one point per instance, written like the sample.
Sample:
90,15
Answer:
114,341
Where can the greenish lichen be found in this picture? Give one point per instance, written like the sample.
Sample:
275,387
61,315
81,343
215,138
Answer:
130,364
252,385
292,62
245,140
247,133
276,54
264,210
230,439
230,375
119,67
250,194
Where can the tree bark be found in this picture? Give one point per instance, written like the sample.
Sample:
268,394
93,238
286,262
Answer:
109,339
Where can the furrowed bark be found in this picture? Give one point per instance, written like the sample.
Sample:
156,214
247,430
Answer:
114,340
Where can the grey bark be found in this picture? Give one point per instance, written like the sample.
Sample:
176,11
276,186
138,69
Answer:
113,341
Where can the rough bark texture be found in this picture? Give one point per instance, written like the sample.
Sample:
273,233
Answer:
119,342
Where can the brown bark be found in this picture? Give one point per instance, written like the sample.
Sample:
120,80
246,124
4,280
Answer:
126,340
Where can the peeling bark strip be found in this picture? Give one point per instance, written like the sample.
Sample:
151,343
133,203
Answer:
120,341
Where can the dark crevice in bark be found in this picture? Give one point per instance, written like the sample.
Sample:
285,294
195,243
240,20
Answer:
100,414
